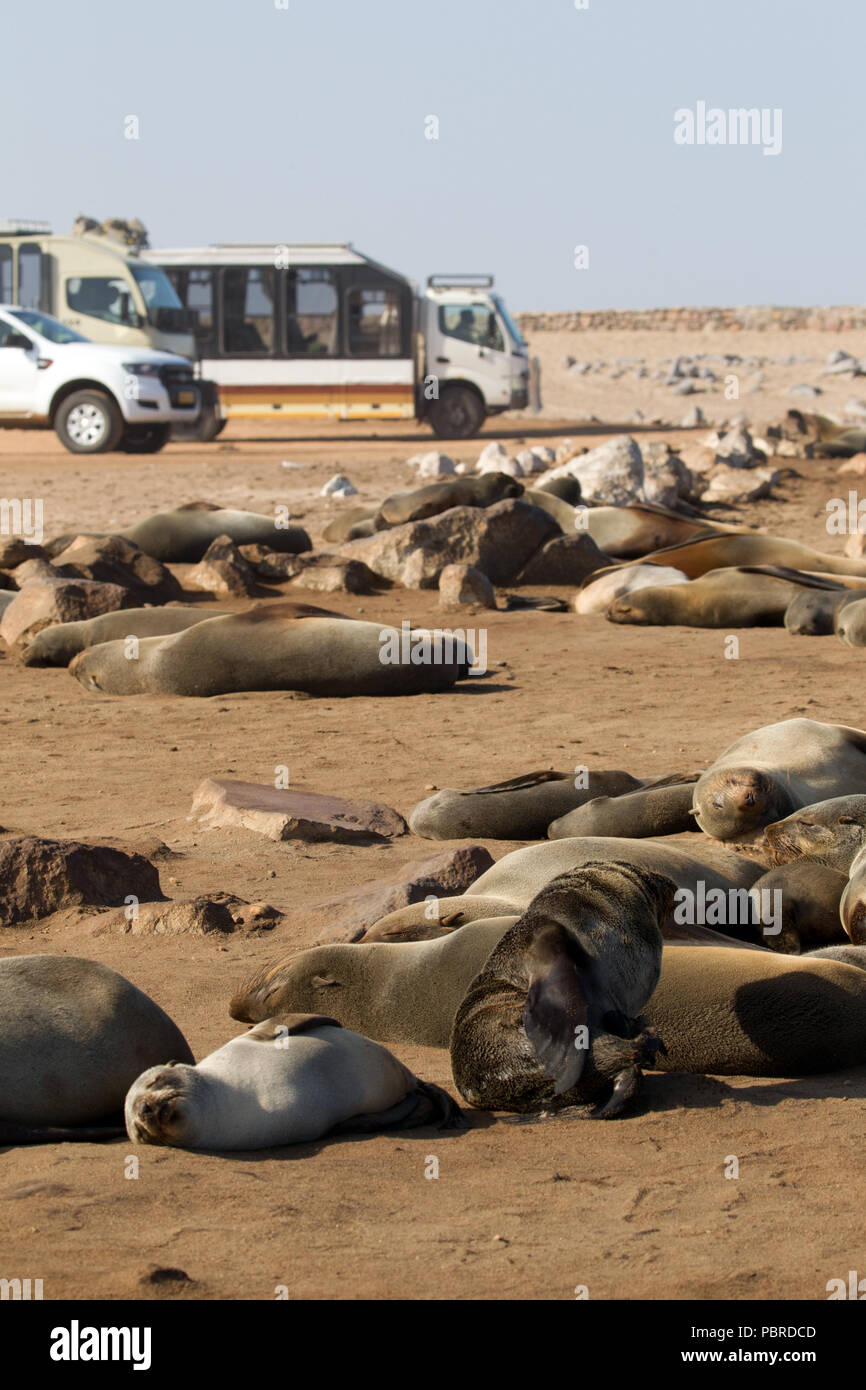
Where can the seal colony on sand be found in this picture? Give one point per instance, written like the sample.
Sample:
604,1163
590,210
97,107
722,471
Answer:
552,1018
275,646
75,1035
292,1079
768,774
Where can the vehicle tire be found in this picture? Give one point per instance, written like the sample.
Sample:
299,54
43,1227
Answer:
144,439
89,422
458,413
206,428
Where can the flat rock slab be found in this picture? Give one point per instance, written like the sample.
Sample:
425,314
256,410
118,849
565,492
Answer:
38,877
442,875
223,804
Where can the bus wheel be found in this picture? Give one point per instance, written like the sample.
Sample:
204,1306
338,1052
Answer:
457,414
144,439
206,428
88,422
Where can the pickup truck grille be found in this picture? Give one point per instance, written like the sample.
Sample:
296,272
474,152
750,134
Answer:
175,376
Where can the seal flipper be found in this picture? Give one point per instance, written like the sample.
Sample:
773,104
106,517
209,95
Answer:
11,1133
284,1025
426,1105
555,1007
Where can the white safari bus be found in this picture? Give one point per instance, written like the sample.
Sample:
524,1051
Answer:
323,331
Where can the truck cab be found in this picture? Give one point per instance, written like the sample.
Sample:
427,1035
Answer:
475,361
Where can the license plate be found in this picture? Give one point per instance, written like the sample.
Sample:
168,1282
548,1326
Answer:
186,397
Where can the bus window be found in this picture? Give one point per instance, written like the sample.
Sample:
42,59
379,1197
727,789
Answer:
5,275
471,323
199,295
374,323
248,311
101,298
311,313
30,277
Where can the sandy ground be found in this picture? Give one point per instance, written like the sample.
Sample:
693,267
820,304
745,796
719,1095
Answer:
640,1208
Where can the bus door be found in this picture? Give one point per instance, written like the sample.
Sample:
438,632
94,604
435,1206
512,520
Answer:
378,376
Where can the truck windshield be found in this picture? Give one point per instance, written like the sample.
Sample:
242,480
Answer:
515,332
158,291
49,328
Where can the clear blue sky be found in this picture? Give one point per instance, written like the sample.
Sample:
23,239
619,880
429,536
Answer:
556,129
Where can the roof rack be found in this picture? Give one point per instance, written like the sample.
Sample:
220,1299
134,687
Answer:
22,226
459,282
268,245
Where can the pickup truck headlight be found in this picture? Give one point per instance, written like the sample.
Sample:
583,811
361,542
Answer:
141,368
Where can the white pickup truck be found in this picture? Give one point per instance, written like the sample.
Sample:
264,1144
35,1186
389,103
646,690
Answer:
95,396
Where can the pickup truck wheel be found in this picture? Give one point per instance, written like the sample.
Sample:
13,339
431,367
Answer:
144,439
204,429
458,413
88,422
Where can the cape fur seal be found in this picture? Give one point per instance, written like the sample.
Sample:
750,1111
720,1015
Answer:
651,811
744,596
704,553
552,1019
75,1035
58,644
293,1078
510,884
182,536
600,589
852,906
642,528
813,612
421,502
849,955
830,832
808,895
274,646
520,808
849,622
773,771
755,1013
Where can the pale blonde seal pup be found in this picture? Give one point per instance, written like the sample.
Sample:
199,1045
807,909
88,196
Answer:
291,1079
773,771
598,591
75,1035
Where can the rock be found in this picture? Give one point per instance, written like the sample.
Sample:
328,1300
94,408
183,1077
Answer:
223,804
802,388
339,486
36,568
693,418
459,584
443,875
684,388
223,570
48,601
697,458
666,480
736,449
838,356
331,574
433,464
41,876
855,410
735,486
855,465
193,917
14,551
497,540
546,457
611,473
784,448
566,450
491,458
114,560
565,560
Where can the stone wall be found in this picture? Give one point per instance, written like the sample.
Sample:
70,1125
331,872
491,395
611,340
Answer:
832,320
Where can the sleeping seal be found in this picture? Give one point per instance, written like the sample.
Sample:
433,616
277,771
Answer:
518,809
813,612
828,832
293,1078
421,502
273,646
696,557
809,895
58,644
650,811
182,536
744,596
75,1035
552,1019
768,774
599,590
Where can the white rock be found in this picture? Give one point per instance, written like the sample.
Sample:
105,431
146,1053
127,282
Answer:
492,457
339,486
612,473
433,464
